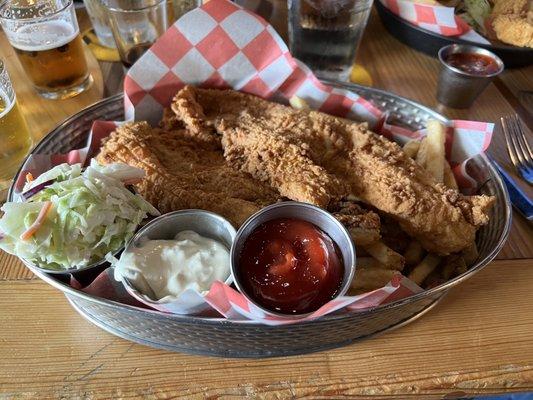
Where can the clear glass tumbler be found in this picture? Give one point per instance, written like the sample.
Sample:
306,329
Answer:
98,15
176,8
325,34
46,38
15,139
136,25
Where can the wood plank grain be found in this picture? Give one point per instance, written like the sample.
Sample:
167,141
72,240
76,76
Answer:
476,341
401,70
517,81
11,268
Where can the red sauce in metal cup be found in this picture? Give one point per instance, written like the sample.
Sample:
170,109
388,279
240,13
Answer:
290,266
474,64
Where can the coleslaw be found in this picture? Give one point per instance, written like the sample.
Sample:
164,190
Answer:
72,217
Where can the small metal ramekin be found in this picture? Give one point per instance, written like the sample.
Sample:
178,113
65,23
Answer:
457,88
306,212
166,227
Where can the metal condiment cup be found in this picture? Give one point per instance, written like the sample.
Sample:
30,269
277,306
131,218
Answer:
457,88
302,211
166,227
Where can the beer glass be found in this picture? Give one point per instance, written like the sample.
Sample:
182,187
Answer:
46,38
15,140
325,34
136,25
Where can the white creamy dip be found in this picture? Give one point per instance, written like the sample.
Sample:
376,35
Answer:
163,269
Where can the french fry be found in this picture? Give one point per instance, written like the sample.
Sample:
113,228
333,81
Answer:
363,237
461,267
414,253
453,265
385,255
433,279
431,152
367,279
411,148
361,252
424,268
470,254
449,178
369,263
298,103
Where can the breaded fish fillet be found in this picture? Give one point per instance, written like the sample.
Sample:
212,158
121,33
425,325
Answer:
510,22
185,173
337,157
268,156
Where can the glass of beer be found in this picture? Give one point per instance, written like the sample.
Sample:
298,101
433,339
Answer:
46,38
15,139
136,25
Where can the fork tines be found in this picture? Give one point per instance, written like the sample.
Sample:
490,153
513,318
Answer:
518,146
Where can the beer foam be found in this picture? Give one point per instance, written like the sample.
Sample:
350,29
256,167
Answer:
44,35
4,101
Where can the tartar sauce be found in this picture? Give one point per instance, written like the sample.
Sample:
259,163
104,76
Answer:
162,269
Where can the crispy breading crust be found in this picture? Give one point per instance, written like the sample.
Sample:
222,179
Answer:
364,164
183,173
363,225
510,22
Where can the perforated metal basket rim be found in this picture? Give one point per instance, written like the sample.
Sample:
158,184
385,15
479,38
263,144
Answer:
330,317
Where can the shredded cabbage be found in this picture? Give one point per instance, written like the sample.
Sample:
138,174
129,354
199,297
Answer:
478,11
92,214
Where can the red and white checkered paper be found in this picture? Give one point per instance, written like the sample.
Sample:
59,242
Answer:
435,18
223,301
220,45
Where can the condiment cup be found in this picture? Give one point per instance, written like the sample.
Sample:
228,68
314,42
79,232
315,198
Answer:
302,211
457,88
166,227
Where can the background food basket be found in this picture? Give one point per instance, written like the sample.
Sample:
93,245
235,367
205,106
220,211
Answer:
219,337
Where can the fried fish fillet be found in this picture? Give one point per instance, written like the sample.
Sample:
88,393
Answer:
512,22
330,158
268,156
182,172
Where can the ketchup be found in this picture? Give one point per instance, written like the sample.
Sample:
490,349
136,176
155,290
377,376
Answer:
290,266
474,64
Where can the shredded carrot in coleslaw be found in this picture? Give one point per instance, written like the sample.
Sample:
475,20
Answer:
28,233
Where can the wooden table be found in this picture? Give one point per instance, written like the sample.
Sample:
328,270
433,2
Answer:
478,340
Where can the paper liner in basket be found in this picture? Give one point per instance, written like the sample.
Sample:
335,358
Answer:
220,45
435,18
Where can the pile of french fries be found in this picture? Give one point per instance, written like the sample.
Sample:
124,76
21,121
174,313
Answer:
376,262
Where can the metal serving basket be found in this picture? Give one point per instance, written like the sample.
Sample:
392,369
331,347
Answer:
220,337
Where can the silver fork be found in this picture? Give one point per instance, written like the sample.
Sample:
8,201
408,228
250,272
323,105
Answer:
518,146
